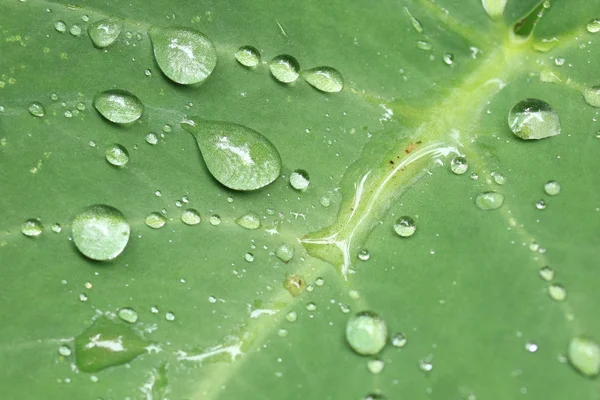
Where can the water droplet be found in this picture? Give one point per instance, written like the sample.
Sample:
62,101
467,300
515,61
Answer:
249,221
547,273
148,72
399,340
104,33
190,217
552,188
319,282
185,56
345,308
366,333
584,356
498,178
557,292
375,366
299,179
282,332
533,119
32,228
364,255
594,26
128,314
36,109
83,297
238,157
592,96
285,252
295,284
540,204
56,228
155,220
64,350
425,365
489,201
459,165
548,76
80,106
119,106
405,226
248,56
158,193
154,310
325,201
249,257
151,138
413,21
448,58
169,316
531,347
54,96
117,155
100,232
75,30
311,306
374,396
424,45
60,26
291,316
284,68
494,8
107,343
325,79
214,220
167,128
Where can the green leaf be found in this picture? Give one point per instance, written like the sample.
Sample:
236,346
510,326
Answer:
496,304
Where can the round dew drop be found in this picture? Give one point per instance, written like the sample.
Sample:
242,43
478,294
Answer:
155,220
405,226
151,138
128,314
459,165
105,32
375,366
489,201
366,333
547,273
190,217
533,119
584,355
249,221
248,56
364,255
593,26
214,220
36,109
325,79
117,155
32,228
60,26
119,106
285,68
285,252
592,96
399,340
299,180
100,232
557,292
552,188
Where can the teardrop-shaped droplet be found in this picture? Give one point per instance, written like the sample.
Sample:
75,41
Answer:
592,96
248,56
237,156
104,33
285,252
494,8
117,155
366,333
107,343
285,68
533,119
119,106
326,79
100,232
249,221
190,217
185,56
489,201
584,356
36,109
32,228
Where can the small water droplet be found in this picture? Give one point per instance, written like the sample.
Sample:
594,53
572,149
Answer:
285,68
154,310
594,26
552,188
319,282
448,58
151,138
190,217
169,316
547,273
399,340
494,8
148,72
128,314
282,332
56,228
311,306
155,220
405,226
424,45
64,350
584,356
249,221
36,109
291,316
238,157
60,26
75,30
185,56
557,292
214,220
212,299
366,333
167,128
325,201
592,96
559,61
80,106
325,79
364,255
248,56
83,297
459,165
32,228
249,257
489,201
498,178
105,32
158,193
119,106
531,347
533,119
345,308
540,204
375,366
100,232
425,365
413,21
285,252
299,179
295,284
117,155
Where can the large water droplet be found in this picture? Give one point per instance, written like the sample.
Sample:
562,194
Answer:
494,8
547,273
366,333
64,350
100,232
285,68
107,343
405,226
552,188
248,56
190,217
299,179
592,96
593,26
326,79
285,252
104,33
117,155
128,314
237,156
584,356
36,109
557,292
249,221
119,106
184,55
32,228
533,119
459,165
155,220
295,284
489,201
